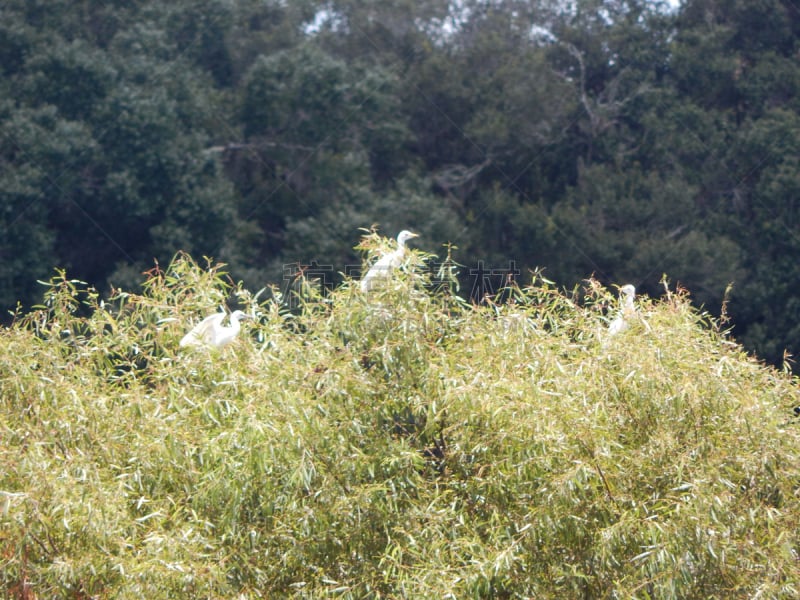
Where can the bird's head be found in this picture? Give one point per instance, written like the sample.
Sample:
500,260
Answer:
238,315
627,290
404,236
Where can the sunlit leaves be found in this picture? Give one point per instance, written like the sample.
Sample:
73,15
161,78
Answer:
404,444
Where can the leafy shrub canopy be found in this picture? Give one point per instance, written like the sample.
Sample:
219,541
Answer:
404,444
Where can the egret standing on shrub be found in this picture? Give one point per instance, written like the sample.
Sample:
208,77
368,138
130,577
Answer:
627,293
381,270
211,332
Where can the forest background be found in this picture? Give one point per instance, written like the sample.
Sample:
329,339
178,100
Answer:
625,139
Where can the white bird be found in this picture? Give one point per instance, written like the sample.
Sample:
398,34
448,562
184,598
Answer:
385,264
211,332
627,293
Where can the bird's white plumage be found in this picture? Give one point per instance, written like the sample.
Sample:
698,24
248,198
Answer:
627,294
383,267
211,332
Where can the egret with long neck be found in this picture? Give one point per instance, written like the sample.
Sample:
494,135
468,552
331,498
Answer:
627,294
384,266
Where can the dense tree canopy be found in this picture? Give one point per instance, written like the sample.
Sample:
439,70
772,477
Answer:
618,138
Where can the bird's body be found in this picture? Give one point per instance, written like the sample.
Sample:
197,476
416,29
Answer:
627,293
211,332
384,266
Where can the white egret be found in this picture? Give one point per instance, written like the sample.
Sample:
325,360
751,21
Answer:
627,294
383,267
211,332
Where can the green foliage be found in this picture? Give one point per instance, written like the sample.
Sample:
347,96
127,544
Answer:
73,76
616,137
35,146
401,445
633,226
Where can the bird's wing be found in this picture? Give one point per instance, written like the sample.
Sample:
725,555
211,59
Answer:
201,333
379,270
385,264
617,325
